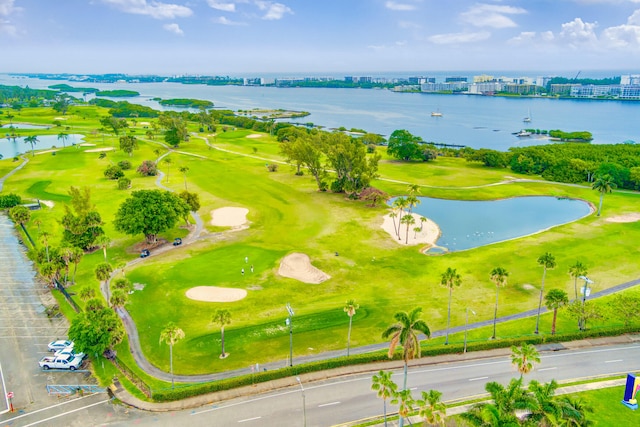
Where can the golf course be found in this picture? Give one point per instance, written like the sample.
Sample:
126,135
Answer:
269,238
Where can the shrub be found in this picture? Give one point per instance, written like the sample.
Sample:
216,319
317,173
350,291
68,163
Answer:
9,200
113,172
124,165
272,167
124,183
148,168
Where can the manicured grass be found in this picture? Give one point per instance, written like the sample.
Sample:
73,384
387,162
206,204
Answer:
287,214
607,409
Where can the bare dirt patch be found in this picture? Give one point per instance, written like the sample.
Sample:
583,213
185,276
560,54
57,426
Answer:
229,217
216,294
298,266
628,217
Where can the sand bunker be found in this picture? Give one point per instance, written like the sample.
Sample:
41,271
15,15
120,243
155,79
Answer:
298,266
630,217
45,152
86,144
229,217
429,233
254,135
95,150
216,294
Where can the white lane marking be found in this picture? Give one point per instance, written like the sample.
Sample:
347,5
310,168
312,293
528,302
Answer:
249,419
613,361
478,379
4,389
66,413
413,388
547,369
50,407
328,404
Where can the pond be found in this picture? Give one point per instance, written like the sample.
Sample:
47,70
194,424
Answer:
11,147
24,126
470,224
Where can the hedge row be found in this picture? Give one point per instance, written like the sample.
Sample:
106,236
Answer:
245,380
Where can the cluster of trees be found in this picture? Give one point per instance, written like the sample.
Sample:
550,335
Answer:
125,109
19,96
187,103
118,93
404,146
319,151
571,136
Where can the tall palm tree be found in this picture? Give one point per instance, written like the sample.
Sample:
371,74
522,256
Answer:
576,270
386,388
350,308
405,332
63,136
399,205
171,334
450,278
31,140
409,220
103,272
412,201
546,410
524,357
44,238
118,299
499,276
66,254
431,408
413,189
547,261
184,170
603,184
87,293
103,241
405,403
222,317
76,257
167,161
555,299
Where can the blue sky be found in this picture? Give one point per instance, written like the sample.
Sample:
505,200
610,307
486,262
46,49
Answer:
252,37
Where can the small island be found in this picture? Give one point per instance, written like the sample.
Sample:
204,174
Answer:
118,93
265,114
186,103
63,87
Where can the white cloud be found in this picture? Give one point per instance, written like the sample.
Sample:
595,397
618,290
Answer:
224,21
408,25
154,9
403,7
225,7
6,27
173,28
457,38
578,32
274,11
634,19
7,7
489,15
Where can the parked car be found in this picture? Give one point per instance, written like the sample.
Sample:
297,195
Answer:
60,345
71,351
177,241
65,361
144,253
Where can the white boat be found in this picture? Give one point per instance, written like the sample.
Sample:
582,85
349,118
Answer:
523,133
528,118
436,114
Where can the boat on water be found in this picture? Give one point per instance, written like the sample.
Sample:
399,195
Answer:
528,118
436,114
522,133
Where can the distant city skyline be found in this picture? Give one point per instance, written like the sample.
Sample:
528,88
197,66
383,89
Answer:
254,37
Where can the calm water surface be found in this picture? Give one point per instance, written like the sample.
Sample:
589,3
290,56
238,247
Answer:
470,224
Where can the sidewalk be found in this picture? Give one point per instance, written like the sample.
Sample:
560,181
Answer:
221,396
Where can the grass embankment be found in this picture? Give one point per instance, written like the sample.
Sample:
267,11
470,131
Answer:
287,214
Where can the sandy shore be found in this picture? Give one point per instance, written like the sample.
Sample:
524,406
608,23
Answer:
428,235
229,217
216,294
298,266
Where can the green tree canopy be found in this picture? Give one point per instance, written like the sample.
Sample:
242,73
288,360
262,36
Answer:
96,330
404,146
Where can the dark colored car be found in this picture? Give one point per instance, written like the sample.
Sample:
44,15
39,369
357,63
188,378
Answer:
177,241
144,253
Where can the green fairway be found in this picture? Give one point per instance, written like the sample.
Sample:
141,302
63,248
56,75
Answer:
287,214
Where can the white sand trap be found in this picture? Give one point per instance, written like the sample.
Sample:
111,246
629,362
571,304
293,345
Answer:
428,235
47,203
96,150
144,124
59,118
229,217
86,144
630,217
216,294
254,135
45,152
298,266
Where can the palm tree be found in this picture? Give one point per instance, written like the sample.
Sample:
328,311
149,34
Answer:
499,276
184,170
44,238
399,205
413,189
576,270
103,242
393,215
66,253
350,308
431,408
63,136
547,261
118,299
103,272
422,221
450,278
412,201
171,334
524,357
405,403
505,402
409,220
546,410
222,318
168,161
87,293
602,184
31,140
574,411
555,299
386,388
404,332
76,257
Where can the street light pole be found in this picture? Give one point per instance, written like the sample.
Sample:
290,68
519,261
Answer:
290,323
304,404
584,299
466,323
